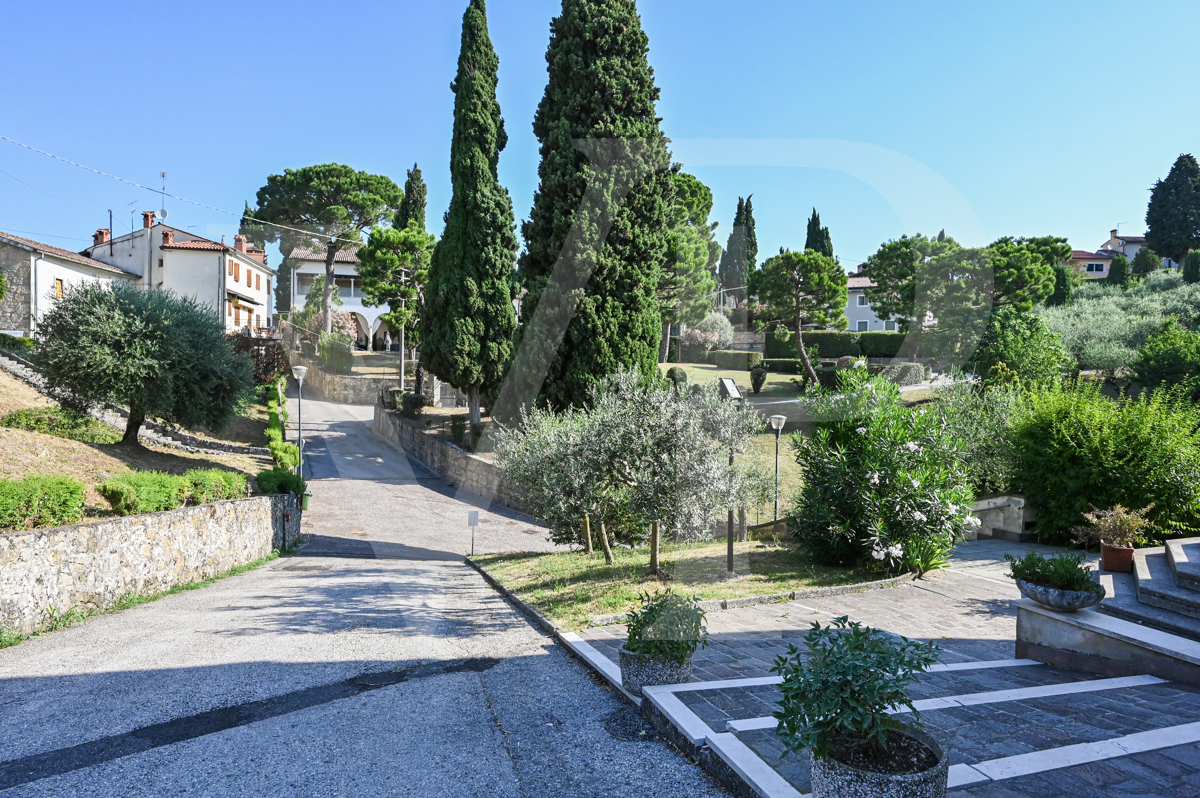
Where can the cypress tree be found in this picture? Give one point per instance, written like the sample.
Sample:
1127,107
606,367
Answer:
741,252
1118,271
602,218
1146,260
1173,215
1191,267
469,319
818,238
412,207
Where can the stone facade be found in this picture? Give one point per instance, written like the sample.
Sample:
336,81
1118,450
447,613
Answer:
91,566
466,470
14,308
344,388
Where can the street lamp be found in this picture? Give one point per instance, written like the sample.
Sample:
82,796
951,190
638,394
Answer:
299,373
729,390
777,423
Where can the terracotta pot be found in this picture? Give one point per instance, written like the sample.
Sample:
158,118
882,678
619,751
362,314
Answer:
1118,559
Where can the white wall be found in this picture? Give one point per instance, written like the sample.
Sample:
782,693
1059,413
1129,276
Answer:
46,269
190,273
350,304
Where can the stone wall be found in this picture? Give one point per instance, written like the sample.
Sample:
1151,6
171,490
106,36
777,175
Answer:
468,471
14,308
344,388
90,566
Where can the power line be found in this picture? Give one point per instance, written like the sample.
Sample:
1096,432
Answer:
47,193
47,235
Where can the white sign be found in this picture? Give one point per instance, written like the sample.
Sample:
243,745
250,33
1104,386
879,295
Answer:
473,518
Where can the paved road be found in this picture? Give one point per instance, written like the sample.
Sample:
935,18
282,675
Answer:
373,664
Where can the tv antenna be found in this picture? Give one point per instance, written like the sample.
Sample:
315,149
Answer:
163,210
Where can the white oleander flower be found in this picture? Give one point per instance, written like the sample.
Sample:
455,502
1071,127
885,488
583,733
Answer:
912,446
860,364
861,430
916,483
920,516
973,521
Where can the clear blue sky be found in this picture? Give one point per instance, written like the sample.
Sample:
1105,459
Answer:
1048,118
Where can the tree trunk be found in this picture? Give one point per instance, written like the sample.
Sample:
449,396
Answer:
473,403
808,366
587,534
679,346
654,548
327,298
743,534
664,346
136,418
608,558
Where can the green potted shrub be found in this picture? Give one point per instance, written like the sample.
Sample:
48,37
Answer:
841,705
1118,531
664,634
1061,583
758,378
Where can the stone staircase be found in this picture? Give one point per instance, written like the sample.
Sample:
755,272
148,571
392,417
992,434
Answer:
1163,592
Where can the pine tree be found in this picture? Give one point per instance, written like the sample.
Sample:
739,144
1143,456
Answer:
818,238
412,207
738,261
1191,267
686,286
601,223
469,322
1173,215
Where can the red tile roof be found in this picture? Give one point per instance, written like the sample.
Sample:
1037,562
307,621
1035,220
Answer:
860,280
209,245
1132,239
59,252
1081,254
347,255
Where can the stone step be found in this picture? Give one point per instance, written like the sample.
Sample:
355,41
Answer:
1183,556
1122,602
1156,584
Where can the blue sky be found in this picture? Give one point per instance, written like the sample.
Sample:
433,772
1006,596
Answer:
1045,117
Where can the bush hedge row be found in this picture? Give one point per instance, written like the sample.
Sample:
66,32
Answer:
733,359
61,423
281,480
18,346
286,455
154,491
781,343
36,502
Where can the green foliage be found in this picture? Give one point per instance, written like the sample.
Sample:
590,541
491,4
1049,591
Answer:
412,207
469,322
841,701
1146,261
39,502
268,362
1173,215
899,373
818,238
1118,526
281,480
1064,571
980,422
214,484
286,455
62,423
1119,271
336,355
737,266
1023,270
600,90
412,405
458,428
808,288
1171,357
3,286
155,352
1064,286
1074,448
394,268
678,377
781,343
758,378
1024,344
154,491
666,627
19,346
687,285
877,477
718,325
1191,268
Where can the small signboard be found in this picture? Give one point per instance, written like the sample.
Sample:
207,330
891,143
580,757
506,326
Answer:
472,518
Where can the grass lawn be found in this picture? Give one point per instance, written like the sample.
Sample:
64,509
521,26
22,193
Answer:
571,588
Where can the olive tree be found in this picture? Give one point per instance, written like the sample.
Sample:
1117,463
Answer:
157,353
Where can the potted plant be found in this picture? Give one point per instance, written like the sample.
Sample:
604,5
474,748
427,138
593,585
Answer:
1117,530
841,706
1061,583
664,633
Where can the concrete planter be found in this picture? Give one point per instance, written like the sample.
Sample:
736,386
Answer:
1116,559
638,671
832,779
1060,600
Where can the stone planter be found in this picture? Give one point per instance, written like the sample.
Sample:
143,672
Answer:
639,671
1060,600
1117,559
832,779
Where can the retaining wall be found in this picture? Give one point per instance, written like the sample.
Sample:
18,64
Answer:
92,565
344,388
475,474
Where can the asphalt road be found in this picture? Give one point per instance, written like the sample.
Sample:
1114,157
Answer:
373,663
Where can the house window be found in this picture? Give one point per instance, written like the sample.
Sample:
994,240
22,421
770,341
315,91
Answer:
863,326
1095,267
229,264
258,321
862,301
257,282
160,264
237,271
58,288
890,326
228,307
237,316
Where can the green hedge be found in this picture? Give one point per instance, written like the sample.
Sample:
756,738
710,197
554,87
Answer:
281,480
37,502
337,356
285,455
836,343
783,365
154,491
900,373
61,423
733,359
18,346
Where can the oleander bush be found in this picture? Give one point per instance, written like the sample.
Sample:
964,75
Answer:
666,626
38,502
61,423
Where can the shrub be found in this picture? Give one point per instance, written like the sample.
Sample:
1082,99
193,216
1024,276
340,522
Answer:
281,480
61,423
413,404
18,346
836,343
880,344
833,343
336,355
285,455
781,343
716,324
1146,260
268,361
899,373
1171,357
758,378
783,365
1064,571
38,502
1074,448
980,422
1023,343
1116,527
214,484
840,703
678,377
1191,268
144,492
731,359
666,626
458,428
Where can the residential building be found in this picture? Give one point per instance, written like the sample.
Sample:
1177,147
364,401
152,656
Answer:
235,281
1129,246
1092,265
37,274
858,307
308,264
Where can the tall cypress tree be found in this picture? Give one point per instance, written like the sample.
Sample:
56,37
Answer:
739,259
469,321
818,237
1173,215
602,217
412,207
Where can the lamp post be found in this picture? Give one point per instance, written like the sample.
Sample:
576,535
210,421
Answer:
777,423
299,373
729,390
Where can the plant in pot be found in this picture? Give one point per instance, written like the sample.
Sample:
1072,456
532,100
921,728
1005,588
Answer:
841,706
1117,530
1061,583
664,633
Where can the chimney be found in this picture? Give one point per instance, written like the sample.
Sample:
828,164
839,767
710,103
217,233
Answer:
101,236
1113,232
147,219
168,237
239,243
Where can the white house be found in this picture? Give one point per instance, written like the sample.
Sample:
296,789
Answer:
1129,246
37,274
308,264
233,280
858,307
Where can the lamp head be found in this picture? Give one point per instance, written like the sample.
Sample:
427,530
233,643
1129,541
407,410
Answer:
777,422
299,372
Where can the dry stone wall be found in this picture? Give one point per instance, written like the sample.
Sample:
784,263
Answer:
344,388
91,566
